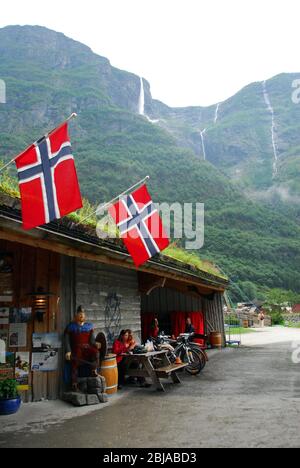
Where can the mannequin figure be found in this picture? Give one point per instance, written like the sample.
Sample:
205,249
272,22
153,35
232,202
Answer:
81,346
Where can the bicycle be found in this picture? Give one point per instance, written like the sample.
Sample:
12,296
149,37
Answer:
200,349
181,348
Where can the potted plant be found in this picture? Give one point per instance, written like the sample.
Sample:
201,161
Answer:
10,400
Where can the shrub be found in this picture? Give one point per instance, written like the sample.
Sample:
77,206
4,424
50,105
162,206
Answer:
277,318
8,389
232,320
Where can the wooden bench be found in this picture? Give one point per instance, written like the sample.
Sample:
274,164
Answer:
167,371
154,365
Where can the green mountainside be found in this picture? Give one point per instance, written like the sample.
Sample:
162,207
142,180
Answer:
238,135
49,76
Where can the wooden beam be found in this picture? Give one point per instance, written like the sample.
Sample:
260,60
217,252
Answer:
111,258
159,283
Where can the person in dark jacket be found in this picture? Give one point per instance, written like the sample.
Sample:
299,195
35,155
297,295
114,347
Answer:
189,328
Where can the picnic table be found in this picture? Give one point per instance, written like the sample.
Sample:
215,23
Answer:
154,365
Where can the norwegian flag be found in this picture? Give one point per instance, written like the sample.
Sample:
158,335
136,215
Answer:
140,225
48,180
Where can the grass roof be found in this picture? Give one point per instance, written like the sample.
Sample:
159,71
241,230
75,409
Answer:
8,184
87,216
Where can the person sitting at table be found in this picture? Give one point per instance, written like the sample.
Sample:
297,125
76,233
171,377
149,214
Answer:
131,342
120,347
154,330
189,328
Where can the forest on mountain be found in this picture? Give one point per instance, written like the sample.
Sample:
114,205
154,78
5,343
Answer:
252,231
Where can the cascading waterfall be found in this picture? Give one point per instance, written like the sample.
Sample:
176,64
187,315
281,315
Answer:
142,98
273,128
142,104
202,133
217,113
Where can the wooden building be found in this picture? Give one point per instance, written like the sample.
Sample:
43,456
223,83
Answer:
78,268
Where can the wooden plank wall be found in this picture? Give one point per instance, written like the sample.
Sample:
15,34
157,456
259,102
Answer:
94,281
34,268
68,293
214,315
164,301
67,305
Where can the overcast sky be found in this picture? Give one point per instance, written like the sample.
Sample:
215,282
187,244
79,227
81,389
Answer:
193,52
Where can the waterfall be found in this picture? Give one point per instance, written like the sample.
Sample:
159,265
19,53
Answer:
217,113
142,104
142,98
273,128
202,133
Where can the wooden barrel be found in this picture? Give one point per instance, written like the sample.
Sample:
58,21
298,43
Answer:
216,339
245,323
109,370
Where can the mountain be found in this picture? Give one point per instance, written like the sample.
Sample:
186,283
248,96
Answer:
254,137
49,76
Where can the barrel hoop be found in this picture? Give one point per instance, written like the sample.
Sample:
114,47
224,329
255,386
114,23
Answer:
109,367
110,388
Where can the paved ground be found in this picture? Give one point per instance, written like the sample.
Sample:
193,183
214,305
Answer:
265,336
247,397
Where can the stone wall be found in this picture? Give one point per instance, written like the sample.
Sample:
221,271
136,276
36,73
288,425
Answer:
292,318
252,317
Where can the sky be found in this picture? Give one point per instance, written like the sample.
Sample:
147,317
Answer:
193,52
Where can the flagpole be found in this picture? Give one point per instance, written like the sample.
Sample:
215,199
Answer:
72,116
106,205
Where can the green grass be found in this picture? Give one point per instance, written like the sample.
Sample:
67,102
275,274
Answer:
8,185
240,331
87,217
189,258
292,325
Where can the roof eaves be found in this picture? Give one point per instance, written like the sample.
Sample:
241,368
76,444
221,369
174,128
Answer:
10,208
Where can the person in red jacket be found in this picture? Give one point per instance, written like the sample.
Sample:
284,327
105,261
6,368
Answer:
154,331
120,347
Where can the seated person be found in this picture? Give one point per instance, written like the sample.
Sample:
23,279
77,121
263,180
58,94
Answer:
189,328
120,347
154,330
131,342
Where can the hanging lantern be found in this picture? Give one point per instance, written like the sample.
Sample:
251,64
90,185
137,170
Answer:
40,300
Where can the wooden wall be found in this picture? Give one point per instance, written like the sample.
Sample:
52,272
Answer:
68,293
95,281
76,282
214,315
34,268
163,301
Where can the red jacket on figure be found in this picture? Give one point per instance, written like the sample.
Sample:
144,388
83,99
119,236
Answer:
118,349
80,342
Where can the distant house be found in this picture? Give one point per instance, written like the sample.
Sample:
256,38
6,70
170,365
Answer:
296,309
